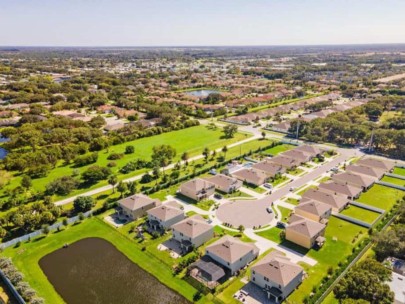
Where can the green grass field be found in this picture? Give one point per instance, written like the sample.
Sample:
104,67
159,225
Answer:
279,149
26,257
361,214
399,171
192,140
273,234
381,197
285,212
393,180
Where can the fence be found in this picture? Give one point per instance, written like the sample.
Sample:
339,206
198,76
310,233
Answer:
352,220
367,207
395,175
390,185
36,233
12,289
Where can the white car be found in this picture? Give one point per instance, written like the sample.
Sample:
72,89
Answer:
268,186
269,210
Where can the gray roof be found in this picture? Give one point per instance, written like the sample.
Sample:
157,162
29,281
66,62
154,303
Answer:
223,181
198,184
165,212
376,163
343,188
304,226
355,179
364,170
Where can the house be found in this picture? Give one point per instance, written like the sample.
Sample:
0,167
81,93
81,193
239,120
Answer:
351,191
313,210
251,176
376,163
300,156
136,206
367,171
309,149
277,276
337,201
285,161
282,127
225,183
164,216
358,180
270,168
305,232
207,270
197,189
192,232
232,253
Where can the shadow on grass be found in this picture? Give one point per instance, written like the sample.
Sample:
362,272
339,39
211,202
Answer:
39,238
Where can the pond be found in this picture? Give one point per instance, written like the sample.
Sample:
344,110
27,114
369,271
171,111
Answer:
201,93
92,270
3,152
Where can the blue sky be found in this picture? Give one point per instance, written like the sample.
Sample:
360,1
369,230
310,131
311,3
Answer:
202,22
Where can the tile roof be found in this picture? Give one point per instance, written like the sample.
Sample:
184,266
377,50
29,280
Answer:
230,249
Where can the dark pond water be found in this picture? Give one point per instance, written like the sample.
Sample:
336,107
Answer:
93,271
201,93
3,152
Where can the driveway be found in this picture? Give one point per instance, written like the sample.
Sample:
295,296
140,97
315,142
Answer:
248,213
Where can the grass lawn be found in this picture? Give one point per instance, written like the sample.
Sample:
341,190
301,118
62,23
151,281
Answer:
279,181
361,214
285,212
292,201
381,197
192,140
324,179
279,149
296,171
26,257
254,188
205,204
329,255
237,193
393,180
399,171
301,192
218,230
388,115
272,234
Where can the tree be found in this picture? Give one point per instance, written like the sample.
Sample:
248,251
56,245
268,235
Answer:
162,155
97,122
83,203
129,149
230,131
206,153
122,188
224,150
132,187
62,185
263,135
26,182
112,180
185,157
95,173
366,281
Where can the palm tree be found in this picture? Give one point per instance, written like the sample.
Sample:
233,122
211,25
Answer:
206,153
112,180
184,157
264,135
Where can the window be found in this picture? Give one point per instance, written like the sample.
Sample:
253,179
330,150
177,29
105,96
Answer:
254,272
254,279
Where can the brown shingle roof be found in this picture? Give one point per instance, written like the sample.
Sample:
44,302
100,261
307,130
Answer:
376,163
198,184
269,167
278,269
165,212
341,188
337,201
314,207
137,201
192,226
305,226
231,249
355,179
364,170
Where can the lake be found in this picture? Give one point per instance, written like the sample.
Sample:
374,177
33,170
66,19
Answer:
201,93
3,152
93,271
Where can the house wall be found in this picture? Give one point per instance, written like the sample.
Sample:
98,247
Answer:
196,241
191,194
237,265
228,189
137,213
259,280
299,239
308,215
167,224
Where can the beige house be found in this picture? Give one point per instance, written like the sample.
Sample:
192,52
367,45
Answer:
367,171
251,176
277,276
192,232
164,216
337,201
300,156
225,183
305,232
313,210
311,150
268,167
232,253
352,192
385,165
358,180
136,206
284,161
197,189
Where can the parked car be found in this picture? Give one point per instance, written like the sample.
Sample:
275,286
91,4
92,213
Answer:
292,189
268,186
281,225
217,196
213,172
269,210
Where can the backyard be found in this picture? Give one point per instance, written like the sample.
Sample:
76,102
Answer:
361,214
381,197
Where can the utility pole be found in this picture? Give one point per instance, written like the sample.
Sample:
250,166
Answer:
298,129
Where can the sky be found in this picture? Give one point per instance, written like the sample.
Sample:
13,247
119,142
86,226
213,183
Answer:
200,22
